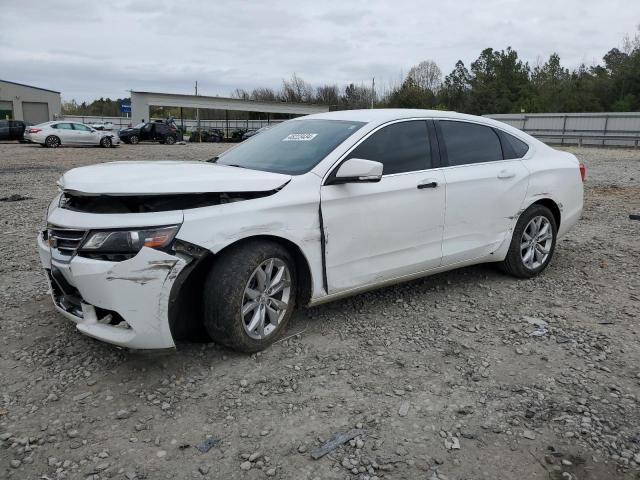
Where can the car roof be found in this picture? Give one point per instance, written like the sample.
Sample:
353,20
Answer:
378,116
384,114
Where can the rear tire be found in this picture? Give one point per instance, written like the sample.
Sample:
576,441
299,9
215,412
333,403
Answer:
52,141
532,244
134,140
244,309
170,140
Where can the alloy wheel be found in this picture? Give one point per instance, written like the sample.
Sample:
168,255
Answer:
536,242
266,298
52,142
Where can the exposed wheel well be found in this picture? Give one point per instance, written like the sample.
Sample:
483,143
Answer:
553,206
186,298
302,266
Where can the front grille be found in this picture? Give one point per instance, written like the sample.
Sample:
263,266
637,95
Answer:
66,240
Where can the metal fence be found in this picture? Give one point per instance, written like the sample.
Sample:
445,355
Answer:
588,129
227,126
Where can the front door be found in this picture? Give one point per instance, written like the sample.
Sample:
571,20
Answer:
85,135
381,231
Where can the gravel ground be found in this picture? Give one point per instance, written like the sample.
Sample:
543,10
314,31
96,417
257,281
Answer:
443,373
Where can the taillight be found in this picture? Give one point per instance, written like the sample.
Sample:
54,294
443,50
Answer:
583,172
35,130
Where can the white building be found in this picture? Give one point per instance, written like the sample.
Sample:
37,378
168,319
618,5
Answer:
31,104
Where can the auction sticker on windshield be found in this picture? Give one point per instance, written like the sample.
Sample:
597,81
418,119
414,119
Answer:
299,137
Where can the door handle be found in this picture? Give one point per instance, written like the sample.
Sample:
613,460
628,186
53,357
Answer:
506,174
427,184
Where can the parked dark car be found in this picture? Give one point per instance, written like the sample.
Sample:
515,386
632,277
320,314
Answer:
151,132
12,130
238,134
251,133
207,135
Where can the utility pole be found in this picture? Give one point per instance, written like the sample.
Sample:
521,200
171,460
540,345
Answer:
373,90
198,117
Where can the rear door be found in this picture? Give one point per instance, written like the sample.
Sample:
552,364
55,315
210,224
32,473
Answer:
485,189
385,230
66,133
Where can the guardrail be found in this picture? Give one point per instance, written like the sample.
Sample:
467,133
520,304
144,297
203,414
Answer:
581,138
607,129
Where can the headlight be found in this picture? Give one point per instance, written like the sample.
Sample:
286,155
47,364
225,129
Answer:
129,241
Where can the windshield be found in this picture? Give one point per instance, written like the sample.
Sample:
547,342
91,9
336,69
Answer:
292,147
140,125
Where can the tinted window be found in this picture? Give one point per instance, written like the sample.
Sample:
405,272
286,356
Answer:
470,143
512,147
147,127
79,126
292,147
63,126
160,128
400,147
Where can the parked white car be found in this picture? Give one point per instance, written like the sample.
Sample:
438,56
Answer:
141,254
59,133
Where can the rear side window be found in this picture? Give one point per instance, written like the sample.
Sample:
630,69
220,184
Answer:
512,147
400,147
160,128
63,126
468,143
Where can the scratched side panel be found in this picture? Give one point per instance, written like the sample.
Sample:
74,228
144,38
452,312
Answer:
292,214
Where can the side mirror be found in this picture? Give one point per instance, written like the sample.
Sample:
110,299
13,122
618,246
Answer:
358,170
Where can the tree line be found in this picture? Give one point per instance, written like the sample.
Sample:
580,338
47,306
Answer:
498,81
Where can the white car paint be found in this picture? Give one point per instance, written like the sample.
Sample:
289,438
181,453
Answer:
79,135
118,178
352,236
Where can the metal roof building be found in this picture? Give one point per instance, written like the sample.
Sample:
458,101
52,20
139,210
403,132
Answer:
141,101
28,103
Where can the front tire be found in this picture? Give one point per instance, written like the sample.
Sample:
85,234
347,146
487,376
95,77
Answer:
106,142
134,140
52,141
250,295
532,244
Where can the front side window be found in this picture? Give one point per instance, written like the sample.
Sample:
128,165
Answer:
400,147
292,147
468,143
82,128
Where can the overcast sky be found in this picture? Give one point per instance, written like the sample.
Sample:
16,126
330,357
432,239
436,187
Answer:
89,49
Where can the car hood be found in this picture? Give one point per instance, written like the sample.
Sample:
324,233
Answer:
172,177
130,130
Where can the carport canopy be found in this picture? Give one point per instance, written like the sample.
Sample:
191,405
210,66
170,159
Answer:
141,101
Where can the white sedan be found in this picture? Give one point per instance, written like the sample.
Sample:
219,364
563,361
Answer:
141,254
59,133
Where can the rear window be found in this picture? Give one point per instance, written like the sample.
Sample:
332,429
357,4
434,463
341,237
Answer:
512,147
292,147
468,143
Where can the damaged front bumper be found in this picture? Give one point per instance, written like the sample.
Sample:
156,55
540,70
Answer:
125,303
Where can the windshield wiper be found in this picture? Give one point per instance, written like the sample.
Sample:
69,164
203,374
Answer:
212,160
234,165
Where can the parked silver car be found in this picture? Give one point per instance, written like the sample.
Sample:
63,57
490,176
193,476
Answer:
58,133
